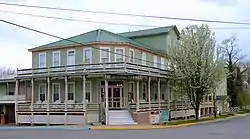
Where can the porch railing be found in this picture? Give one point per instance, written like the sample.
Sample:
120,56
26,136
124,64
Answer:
56,107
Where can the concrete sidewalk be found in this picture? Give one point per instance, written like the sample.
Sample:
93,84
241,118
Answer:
44,128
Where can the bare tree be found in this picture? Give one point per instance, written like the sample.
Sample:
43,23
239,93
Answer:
7,72
236,66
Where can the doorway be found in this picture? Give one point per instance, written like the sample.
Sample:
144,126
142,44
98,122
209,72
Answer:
116,99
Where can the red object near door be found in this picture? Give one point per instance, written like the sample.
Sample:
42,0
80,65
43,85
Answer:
3,119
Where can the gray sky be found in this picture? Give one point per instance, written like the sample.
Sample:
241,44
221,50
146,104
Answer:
15,41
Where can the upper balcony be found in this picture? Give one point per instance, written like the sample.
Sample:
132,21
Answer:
113,68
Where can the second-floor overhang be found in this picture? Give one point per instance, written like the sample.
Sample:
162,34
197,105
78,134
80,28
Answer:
112,68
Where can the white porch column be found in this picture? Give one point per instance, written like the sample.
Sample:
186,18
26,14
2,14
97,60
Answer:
32,100
48,100
159,92
149,93
107,103
16,101
66,99
84,101
137,96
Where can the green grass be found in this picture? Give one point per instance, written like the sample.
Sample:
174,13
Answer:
207,118
244,111
200,120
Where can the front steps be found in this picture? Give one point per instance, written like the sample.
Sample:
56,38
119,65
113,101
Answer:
120,117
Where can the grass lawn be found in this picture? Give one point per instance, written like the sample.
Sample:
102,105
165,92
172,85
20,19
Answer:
207,118
244,111
200,120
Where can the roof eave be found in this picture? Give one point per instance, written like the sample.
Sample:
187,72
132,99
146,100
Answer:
148,35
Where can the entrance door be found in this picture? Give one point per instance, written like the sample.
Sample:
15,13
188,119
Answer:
115,97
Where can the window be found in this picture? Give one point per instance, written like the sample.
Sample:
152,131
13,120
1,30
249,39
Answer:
42,92
163,89
162,63
155,91
120,54
55,92
155,61
71,59
131,90
143,58
163,96
168,42
105,55
56,58
87,56
88,91
10,89
175,43
131,55
71,91
42,60
144,91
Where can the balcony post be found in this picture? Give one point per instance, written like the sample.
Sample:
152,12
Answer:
137,96
16,101
84,101
48,100
149,93
66,100
159,93
107,103
32,101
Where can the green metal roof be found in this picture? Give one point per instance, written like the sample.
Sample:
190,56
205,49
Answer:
149,32
99,35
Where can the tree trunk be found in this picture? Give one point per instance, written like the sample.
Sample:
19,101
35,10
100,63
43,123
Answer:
215,108
197,114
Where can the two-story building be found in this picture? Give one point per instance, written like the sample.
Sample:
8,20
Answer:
100,76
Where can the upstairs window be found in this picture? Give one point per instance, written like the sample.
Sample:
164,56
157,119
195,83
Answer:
42,60
105,55
143,58
87,56
120,54
162,63
131,55
56,58
168,42
155,61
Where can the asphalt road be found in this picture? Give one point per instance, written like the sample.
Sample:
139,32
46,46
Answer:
232,129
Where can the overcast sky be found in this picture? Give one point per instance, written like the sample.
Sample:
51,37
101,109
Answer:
15,41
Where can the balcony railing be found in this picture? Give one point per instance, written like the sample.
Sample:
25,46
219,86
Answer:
12,98
96,68
11,76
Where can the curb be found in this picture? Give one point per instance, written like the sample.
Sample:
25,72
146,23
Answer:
163,127
139,127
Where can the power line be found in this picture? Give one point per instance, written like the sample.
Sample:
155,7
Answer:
76,20
81,44
124,14
100,22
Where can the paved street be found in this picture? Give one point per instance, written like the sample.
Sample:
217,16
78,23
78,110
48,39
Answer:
232,129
